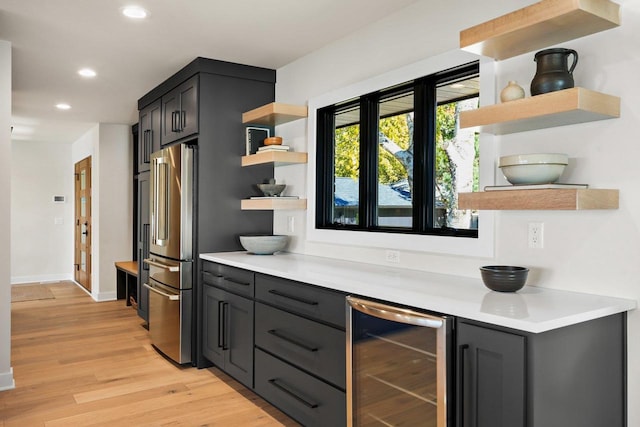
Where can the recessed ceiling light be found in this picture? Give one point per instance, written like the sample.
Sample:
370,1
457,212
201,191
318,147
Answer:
134,12
457,86
86,72
63,106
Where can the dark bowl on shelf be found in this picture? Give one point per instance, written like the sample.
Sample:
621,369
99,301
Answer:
504,278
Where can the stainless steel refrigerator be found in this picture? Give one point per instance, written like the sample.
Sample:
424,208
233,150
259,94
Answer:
171,251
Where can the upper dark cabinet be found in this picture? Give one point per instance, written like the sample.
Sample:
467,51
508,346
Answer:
180,112
149,134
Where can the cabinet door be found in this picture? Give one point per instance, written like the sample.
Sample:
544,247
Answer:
149,134
143,244
238,338
180,112
491,378
212,331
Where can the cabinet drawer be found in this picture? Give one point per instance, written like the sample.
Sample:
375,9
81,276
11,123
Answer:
233,279
312,346
311,301
303,397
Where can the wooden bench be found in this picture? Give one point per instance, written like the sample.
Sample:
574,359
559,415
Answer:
127,281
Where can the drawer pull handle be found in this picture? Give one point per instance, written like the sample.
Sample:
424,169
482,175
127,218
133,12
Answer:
229,279
290,340
292,297
284,389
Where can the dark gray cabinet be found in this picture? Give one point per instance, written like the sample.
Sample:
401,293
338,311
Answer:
300,364
567,377
202,105
180,112
491,373
149,134
228,333
143,229
304,397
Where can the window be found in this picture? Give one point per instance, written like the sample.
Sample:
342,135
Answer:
394,160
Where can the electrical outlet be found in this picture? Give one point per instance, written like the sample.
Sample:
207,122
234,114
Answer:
536,235
290,224
392,256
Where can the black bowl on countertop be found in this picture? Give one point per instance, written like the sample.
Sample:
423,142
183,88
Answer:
504,278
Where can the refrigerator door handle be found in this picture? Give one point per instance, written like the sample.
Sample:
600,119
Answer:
171,268
169,296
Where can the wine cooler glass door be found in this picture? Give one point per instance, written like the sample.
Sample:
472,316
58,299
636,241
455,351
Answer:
398,372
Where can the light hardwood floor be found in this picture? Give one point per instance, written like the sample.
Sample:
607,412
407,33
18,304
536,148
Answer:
81,363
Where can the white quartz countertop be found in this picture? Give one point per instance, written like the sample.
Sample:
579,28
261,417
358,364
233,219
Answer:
531,309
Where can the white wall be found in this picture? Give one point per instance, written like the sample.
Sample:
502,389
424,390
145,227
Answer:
115,227
587,251
109,146
6,372
41,249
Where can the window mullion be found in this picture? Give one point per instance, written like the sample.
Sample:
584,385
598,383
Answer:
420,161
325,169
368,161
430,155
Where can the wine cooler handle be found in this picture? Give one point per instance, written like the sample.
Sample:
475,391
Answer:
395,314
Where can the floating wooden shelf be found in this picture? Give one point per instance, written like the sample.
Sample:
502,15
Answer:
564,107
273,204
276,157
274,114
547,199
542,24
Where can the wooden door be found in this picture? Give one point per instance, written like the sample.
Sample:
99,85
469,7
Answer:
82,255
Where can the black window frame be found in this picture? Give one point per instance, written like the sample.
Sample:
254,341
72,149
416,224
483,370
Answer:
424,151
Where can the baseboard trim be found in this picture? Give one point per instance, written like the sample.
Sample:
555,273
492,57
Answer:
45,278
105,296
6,380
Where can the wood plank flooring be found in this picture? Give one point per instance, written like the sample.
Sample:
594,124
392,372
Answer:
81,363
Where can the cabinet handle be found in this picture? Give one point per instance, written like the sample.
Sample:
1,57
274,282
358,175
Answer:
174,121
225,326
292,297
221,324
145,245
183,120
217,277
145,146
209,274
274,382
229,279
290,340
462,353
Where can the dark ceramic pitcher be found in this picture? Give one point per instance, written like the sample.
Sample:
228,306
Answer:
553,72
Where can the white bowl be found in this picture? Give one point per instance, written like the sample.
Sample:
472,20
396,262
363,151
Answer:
536,158
539,168
532,173
264,244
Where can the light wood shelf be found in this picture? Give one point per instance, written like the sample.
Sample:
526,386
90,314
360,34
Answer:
275,114
273,204
564,107
542,24
546,199
276,157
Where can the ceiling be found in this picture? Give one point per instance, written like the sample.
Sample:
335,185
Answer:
52,40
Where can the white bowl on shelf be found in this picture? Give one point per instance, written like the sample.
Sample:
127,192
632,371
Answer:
538,168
